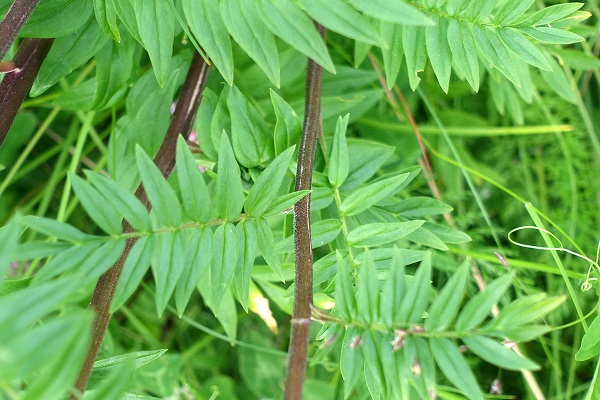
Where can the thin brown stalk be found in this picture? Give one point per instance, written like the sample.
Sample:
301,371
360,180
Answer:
183,119
16,84
12,23
303,293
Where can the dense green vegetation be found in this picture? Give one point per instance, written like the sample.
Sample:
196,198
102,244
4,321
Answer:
318,199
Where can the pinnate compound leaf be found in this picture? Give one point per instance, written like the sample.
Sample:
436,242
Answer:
345,299
415,301
169,265
204,18
224,263
199,257
229,183
367,293
249,137
366,197
104,215
494,52
134,269
444,308
195,195
54,228
248,30
498,354
248,245
340,17
438,50
156,24
128,205
480,305
287,127
295,28
106,15
397,11
453,365
464,52
378,233
267,185
266,245
339,160
161,195
67,54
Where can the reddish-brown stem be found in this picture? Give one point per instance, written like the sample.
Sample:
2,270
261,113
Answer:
303,293
16,85
183,119
16,16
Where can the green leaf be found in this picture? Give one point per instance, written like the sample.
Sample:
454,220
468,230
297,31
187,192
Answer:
414,303
204,18
160,194
464,52
366,197
156,25
195,195
57,18
134,269
415,53
494,52
367,293
295,28
38,248
345,300
126,14
224,263
551,35
114,383
415,207
321,232
352,359
128,205
592,336
511,10
367,158
524,48
140,358
106,15
586,354
393,290
170,263
438,50
266,245
227,316
248,30
339,160
287,127
371,345
284,203
552,13
577,60
447,234
67,260
453,365
114,65
267,185
425,237
393,11
340,17
526,310
67,54
229,183
105,215
498,354
376,234
207,109
9,235
444,308
54,228
248,242
480,305
199,257
559,82
394,53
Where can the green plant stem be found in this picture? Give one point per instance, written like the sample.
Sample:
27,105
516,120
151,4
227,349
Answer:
13,22
182,122
303,291
16,85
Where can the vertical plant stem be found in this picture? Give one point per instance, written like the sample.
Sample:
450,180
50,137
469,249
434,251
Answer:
181,123
13,22
303,292
16,85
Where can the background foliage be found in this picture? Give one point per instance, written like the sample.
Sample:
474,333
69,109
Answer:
406,216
